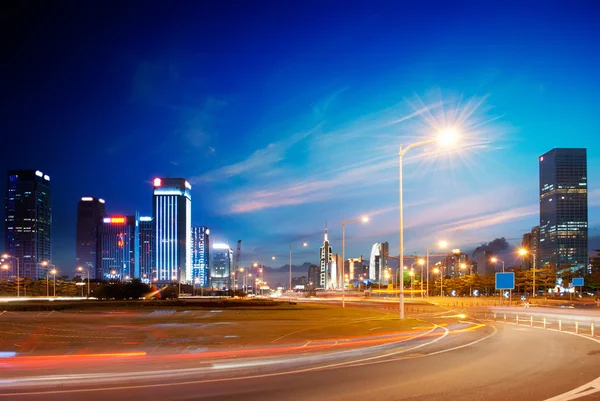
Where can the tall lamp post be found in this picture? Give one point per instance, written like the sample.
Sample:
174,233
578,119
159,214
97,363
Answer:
441,245
80,269
364,219
523,252
421,263
445,138
496,260
53,272
411,273
291,246
47,266
7,256
436,271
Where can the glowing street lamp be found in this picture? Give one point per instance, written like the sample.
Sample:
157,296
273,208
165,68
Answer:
7,256
496,260
363,219
524,252
46,264
442,245
436,271
53,272
80,269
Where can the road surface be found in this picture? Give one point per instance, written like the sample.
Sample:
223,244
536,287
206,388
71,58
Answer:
455,360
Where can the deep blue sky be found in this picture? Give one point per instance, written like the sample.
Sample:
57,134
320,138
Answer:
287,116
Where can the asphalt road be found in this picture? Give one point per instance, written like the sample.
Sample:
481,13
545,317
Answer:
455,361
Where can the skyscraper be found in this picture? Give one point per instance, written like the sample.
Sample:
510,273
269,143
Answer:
119,245
200,255
172,214
28,220
563,208
147,244
378,262
221,266
336,272
90,212
326,260
313,275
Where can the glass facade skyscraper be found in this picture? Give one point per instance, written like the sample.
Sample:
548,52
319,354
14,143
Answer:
90,212
200,255
119,245
563,208
28,220
221,266
172,214
147,243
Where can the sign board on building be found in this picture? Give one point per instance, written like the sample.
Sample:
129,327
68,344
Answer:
505,281
578,282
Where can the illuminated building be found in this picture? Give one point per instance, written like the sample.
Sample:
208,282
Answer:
335,272
313,275
90,212
325,272
221,266
28,221
147,243
353,268
200,255
119,257
172,214
378,261
564,209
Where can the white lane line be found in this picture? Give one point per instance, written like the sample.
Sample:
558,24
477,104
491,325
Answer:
227,379
593,386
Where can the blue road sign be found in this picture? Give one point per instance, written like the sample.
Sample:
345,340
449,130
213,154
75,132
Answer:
578,282
505,281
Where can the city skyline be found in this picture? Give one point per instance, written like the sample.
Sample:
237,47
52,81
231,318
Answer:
276,152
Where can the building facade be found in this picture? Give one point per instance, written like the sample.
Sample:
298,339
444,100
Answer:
221,266
325,262
146,253
172,215
336,271
563,209
119,248
200,255
90,212
378,261
313,275
28,222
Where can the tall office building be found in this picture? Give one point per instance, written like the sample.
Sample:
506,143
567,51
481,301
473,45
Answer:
147,244
90,212
119,248
564,209
28,221
200,255
326,260
531,242
221,266
172,214
378,261
336,272
313,275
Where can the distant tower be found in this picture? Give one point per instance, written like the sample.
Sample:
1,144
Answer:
326,259
90,212
378,261
147,244
564,208
118,258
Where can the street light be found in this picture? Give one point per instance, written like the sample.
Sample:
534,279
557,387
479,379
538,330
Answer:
436,271
80,269
291,246
442,245
411,273
46,265
524,252
496,260
364,219
421,262
53,272
7,256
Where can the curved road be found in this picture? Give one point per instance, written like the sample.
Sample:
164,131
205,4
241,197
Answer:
456,360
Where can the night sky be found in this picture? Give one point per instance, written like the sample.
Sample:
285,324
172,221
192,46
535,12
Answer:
288,117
